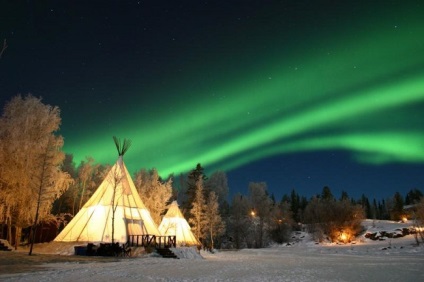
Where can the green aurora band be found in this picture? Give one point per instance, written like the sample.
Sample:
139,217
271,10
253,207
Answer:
362,94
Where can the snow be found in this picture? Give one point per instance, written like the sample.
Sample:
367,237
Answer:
303,260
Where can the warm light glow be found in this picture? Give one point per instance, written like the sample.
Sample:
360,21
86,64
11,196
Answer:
344,237
252,213
404,219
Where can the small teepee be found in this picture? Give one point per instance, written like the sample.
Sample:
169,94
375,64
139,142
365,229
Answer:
174,224
113,212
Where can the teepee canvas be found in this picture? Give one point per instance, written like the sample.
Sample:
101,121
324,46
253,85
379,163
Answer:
174,224
114,210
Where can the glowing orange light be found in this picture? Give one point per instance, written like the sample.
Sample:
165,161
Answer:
344,237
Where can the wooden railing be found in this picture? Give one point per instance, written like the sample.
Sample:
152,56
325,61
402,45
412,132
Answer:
152,241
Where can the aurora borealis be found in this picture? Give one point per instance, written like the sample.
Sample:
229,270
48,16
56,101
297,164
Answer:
231,85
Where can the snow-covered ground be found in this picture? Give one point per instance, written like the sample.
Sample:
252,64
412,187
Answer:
389,260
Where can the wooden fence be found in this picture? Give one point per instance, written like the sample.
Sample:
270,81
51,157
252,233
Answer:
152,241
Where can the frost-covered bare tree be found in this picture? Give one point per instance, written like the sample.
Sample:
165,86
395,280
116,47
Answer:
197,218
215,225
64,203
89,178
328,218
314,216
239,221
50,182
30,164
280,222
84,174
261,204
154,193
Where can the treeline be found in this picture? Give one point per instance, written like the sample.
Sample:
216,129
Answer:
39,183
253,220
323,215
391,208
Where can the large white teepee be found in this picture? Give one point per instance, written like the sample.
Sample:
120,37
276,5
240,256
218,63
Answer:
174,224
93,223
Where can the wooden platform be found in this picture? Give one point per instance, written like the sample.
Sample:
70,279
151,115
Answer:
152,241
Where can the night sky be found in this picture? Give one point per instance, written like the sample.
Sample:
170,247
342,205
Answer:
299,94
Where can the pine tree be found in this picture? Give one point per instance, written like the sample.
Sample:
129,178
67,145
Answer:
365,203
374,210
326,194
192,178
295,205
383,210
285,199
413,197
303,203
344,196
396,211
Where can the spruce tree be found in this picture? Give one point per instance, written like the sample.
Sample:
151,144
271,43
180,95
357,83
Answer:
192,178
326,194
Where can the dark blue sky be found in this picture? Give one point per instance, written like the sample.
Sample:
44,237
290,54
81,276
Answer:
297,94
